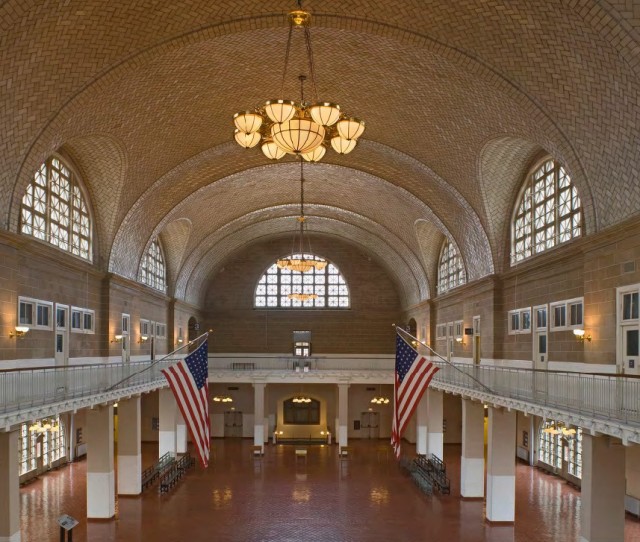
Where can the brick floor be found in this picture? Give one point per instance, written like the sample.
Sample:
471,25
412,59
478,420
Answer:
281,498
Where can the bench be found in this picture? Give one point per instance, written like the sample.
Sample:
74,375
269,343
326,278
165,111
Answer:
175,471
436,471
150,474
344,452
421,477
301,453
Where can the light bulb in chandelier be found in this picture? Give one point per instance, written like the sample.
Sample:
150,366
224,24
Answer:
305,128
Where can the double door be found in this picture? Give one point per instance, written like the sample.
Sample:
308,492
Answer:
370,425
233,424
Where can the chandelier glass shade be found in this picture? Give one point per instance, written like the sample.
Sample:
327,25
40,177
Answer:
301,399
222,399
299,128
44,425
557,428
380,400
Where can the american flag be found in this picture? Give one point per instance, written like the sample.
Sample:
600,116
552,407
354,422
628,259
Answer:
413,374
189,381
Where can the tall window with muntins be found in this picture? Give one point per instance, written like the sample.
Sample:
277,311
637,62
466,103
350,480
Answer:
550,446
54,210
152,267
47,443
575,454
548,212
451,271
327,284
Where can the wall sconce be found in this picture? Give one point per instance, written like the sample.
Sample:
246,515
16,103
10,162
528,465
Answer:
459,340
143,339
414,344
117,339
19,333
580,335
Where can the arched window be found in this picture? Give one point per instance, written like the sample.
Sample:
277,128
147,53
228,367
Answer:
152,268
327,284
548,212
54,209
450,271
45,439
552,439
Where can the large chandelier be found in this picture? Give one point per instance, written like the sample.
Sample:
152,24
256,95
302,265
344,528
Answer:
302,128
298,262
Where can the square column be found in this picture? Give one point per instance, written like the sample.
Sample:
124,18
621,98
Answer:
603,489
343,414
472,462
129,447
258,414
9,487
168,410
181,433
435,438
501,466
101,486
421,425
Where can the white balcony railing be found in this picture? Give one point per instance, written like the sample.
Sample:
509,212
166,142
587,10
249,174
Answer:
601,397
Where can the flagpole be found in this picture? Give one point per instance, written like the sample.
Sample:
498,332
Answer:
398,328
205,334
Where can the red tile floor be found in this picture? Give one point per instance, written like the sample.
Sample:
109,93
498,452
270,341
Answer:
287,499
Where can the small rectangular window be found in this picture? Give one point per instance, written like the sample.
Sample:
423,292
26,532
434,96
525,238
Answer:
76,319
43,313
441,331
575,311
630,306
88,321
559,316
61,317
125,324
25,313
541,318
520,321
459,329
144,328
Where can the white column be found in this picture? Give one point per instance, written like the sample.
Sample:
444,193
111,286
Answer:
181,433
435,439
501,466
421,426
129,447
168,410
101,487
258,414
603,489
472,462
9,488
343,414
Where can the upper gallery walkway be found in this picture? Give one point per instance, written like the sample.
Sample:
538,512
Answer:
599,403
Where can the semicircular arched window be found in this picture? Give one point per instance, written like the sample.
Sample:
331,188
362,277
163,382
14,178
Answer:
328,285
54,209
548,212
450,270
152,268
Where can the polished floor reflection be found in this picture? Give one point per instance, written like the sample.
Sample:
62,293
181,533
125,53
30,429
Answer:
286,498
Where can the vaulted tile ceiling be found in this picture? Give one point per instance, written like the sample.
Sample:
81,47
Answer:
460,98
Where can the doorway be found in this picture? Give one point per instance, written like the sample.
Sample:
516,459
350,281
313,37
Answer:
232,424
540,338
192,330
476,340
370,425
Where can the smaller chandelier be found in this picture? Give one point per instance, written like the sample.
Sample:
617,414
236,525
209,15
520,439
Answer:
380,400
301,399
44,425
300,128
302,297
299,262
222,399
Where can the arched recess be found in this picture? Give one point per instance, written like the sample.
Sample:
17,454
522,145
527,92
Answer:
102,161
504,162
174,238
